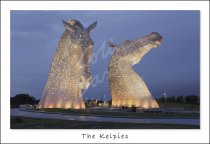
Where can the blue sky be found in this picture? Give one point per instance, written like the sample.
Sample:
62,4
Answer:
173,68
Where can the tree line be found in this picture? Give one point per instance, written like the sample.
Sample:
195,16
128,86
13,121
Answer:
21,99
188,99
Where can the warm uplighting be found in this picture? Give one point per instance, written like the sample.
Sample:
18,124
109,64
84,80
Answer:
67,105
145,105
59,103
51,105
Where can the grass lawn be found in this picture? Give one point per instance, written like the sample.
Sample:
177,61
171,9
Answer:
122,114
39,123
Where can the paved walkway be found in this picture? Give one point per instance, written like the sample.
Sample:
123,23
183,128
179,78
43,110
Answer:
18,112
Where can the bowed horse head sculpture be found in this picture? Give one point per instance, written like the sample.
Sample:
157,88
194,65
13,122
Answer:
70,72
82,36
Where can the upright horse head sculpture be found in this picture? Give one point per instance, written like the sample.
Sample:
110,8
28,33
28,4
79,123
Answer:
70,72
126,86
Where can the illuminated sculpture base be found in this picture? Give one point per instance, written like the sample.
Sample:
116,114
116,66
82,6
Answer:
128,89
136,103
74,104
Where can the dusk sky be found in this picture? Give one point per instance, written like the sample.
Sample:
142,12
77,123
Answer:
173,68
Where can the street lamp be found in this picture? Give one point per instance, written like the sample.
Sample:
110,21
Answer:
104,99
164,94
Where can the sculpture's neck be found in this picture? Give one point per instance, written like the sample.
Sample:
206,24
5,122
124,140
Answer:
142,52
132,58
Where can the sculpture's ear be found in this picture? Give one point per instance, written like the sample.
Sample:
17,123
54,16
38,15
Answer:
112,45
68,26
92,26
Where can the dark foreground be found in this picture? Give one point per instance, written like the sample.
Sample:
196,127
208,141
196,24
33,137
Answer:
18,122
